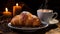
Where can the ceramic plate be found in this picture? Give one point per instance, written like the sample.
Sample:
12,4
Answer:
29,29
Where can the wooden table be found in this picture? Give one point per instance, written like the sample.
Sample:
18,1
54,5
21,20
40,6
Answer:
55,30
51,29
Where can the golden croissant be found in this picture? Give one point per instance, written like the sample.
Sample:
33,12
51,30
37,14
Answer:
25,19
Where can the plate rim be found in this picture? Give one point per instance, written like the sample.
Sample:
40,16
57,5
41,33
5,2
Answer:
9,25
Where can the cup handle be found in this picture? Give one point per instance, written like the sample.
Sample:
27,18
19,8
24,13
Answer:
55,13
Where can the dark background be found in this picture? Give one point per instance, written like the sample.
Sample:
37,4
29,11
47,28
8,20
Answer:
31,5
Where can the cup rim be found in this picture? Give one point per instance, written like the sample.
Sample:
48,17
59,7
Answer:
39,10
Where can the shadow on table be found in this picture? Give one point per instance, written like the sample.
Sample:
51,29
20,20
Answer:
41,31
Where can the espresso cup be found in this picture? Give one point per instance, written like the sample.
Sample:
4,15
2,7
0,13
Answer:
46,14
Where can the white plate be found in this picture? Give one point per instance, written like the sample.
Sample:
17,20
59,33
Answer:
53,21
29,29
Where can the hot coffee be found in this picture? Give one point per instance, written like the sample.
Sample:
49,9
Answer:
44,10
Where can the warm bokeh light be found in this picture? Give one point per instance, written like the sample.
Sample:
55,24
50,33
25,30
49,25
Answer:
6,9
16,4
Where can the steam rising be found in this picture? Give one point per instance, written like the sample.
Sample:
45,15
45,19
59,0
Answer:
44,5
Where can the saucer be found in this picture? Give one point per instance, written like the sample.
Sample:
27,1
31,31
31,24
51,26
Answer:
53,21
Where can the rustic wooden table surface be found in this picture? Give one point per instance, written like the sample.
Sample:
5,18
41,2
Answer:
51,29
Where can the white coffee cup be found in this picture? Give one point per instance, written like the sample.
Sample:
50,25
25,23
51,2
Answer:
46,14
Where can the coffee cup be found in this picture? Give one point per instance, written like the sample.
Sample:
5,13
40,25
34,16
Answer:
46,14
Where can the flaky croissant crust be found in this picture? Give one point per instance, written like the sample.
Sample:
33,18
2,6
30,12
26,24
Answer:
25,19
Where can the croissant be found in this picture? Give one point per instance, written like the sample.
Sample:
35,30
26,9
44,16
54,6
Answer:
25,19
